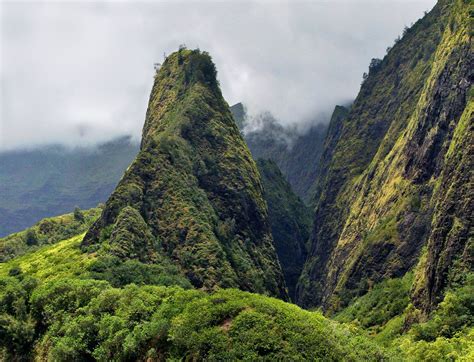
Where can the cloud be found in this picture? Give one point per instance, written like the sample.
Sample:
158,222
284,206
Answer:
78,73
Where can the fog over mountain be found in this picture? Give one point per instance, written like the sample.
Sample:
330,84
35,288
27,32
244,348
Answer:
80,73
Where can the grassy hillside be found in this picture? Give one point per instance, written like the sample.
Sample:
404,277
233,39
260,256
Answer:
51,308
388,315
47,231
63,259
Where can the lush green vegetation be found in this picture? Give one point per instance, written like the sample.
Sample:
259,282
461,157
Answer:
190,212
388,186
65,259
119,273
386,313
385,301
47,231
447,334
53,307
171,322
454,314
60,260
72,319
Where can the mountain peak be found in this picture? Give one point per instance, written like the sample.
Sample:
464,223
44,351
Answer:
194,186
184,74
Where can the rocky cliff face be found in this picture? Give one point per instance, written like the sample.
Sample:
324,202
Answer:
450,249
194,192
393,168
290,222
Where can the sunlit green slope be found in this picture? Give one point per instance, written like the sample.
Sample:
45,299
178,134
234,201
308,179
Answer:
47,231
52,308
55,305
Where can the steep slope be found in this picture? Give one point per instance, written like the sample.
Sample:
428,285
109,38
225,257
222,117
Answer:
193,193
387,314
290,222
332,135
450,248
296,154
394,167
50,181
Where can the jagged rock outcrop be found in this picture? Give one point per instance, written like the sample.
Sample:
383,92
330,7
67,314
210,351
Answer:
195,186
239,113
395,173
290,221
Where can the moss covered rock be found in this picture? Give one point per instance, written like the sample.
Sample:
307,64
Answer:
196,187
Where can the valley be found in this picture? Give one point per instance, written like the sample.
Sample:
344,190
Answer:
213,240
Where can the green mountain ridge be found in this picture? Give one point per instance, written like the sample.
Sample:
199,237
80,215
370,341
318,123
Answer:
51,180
290,222
47,231
289,218
393,168
170,266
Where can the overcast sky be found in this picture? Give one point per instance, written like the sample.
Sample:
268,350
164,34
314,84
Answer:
80,72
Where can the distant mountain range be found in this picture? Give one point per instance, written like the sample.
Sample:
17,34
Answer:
49,181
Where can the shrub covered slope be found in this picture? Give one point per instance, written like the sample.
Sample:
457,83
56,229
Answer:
55,304
47,231
84,319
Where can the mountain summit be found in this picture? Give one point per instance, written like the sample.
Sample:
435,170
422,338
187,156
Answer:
193,194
